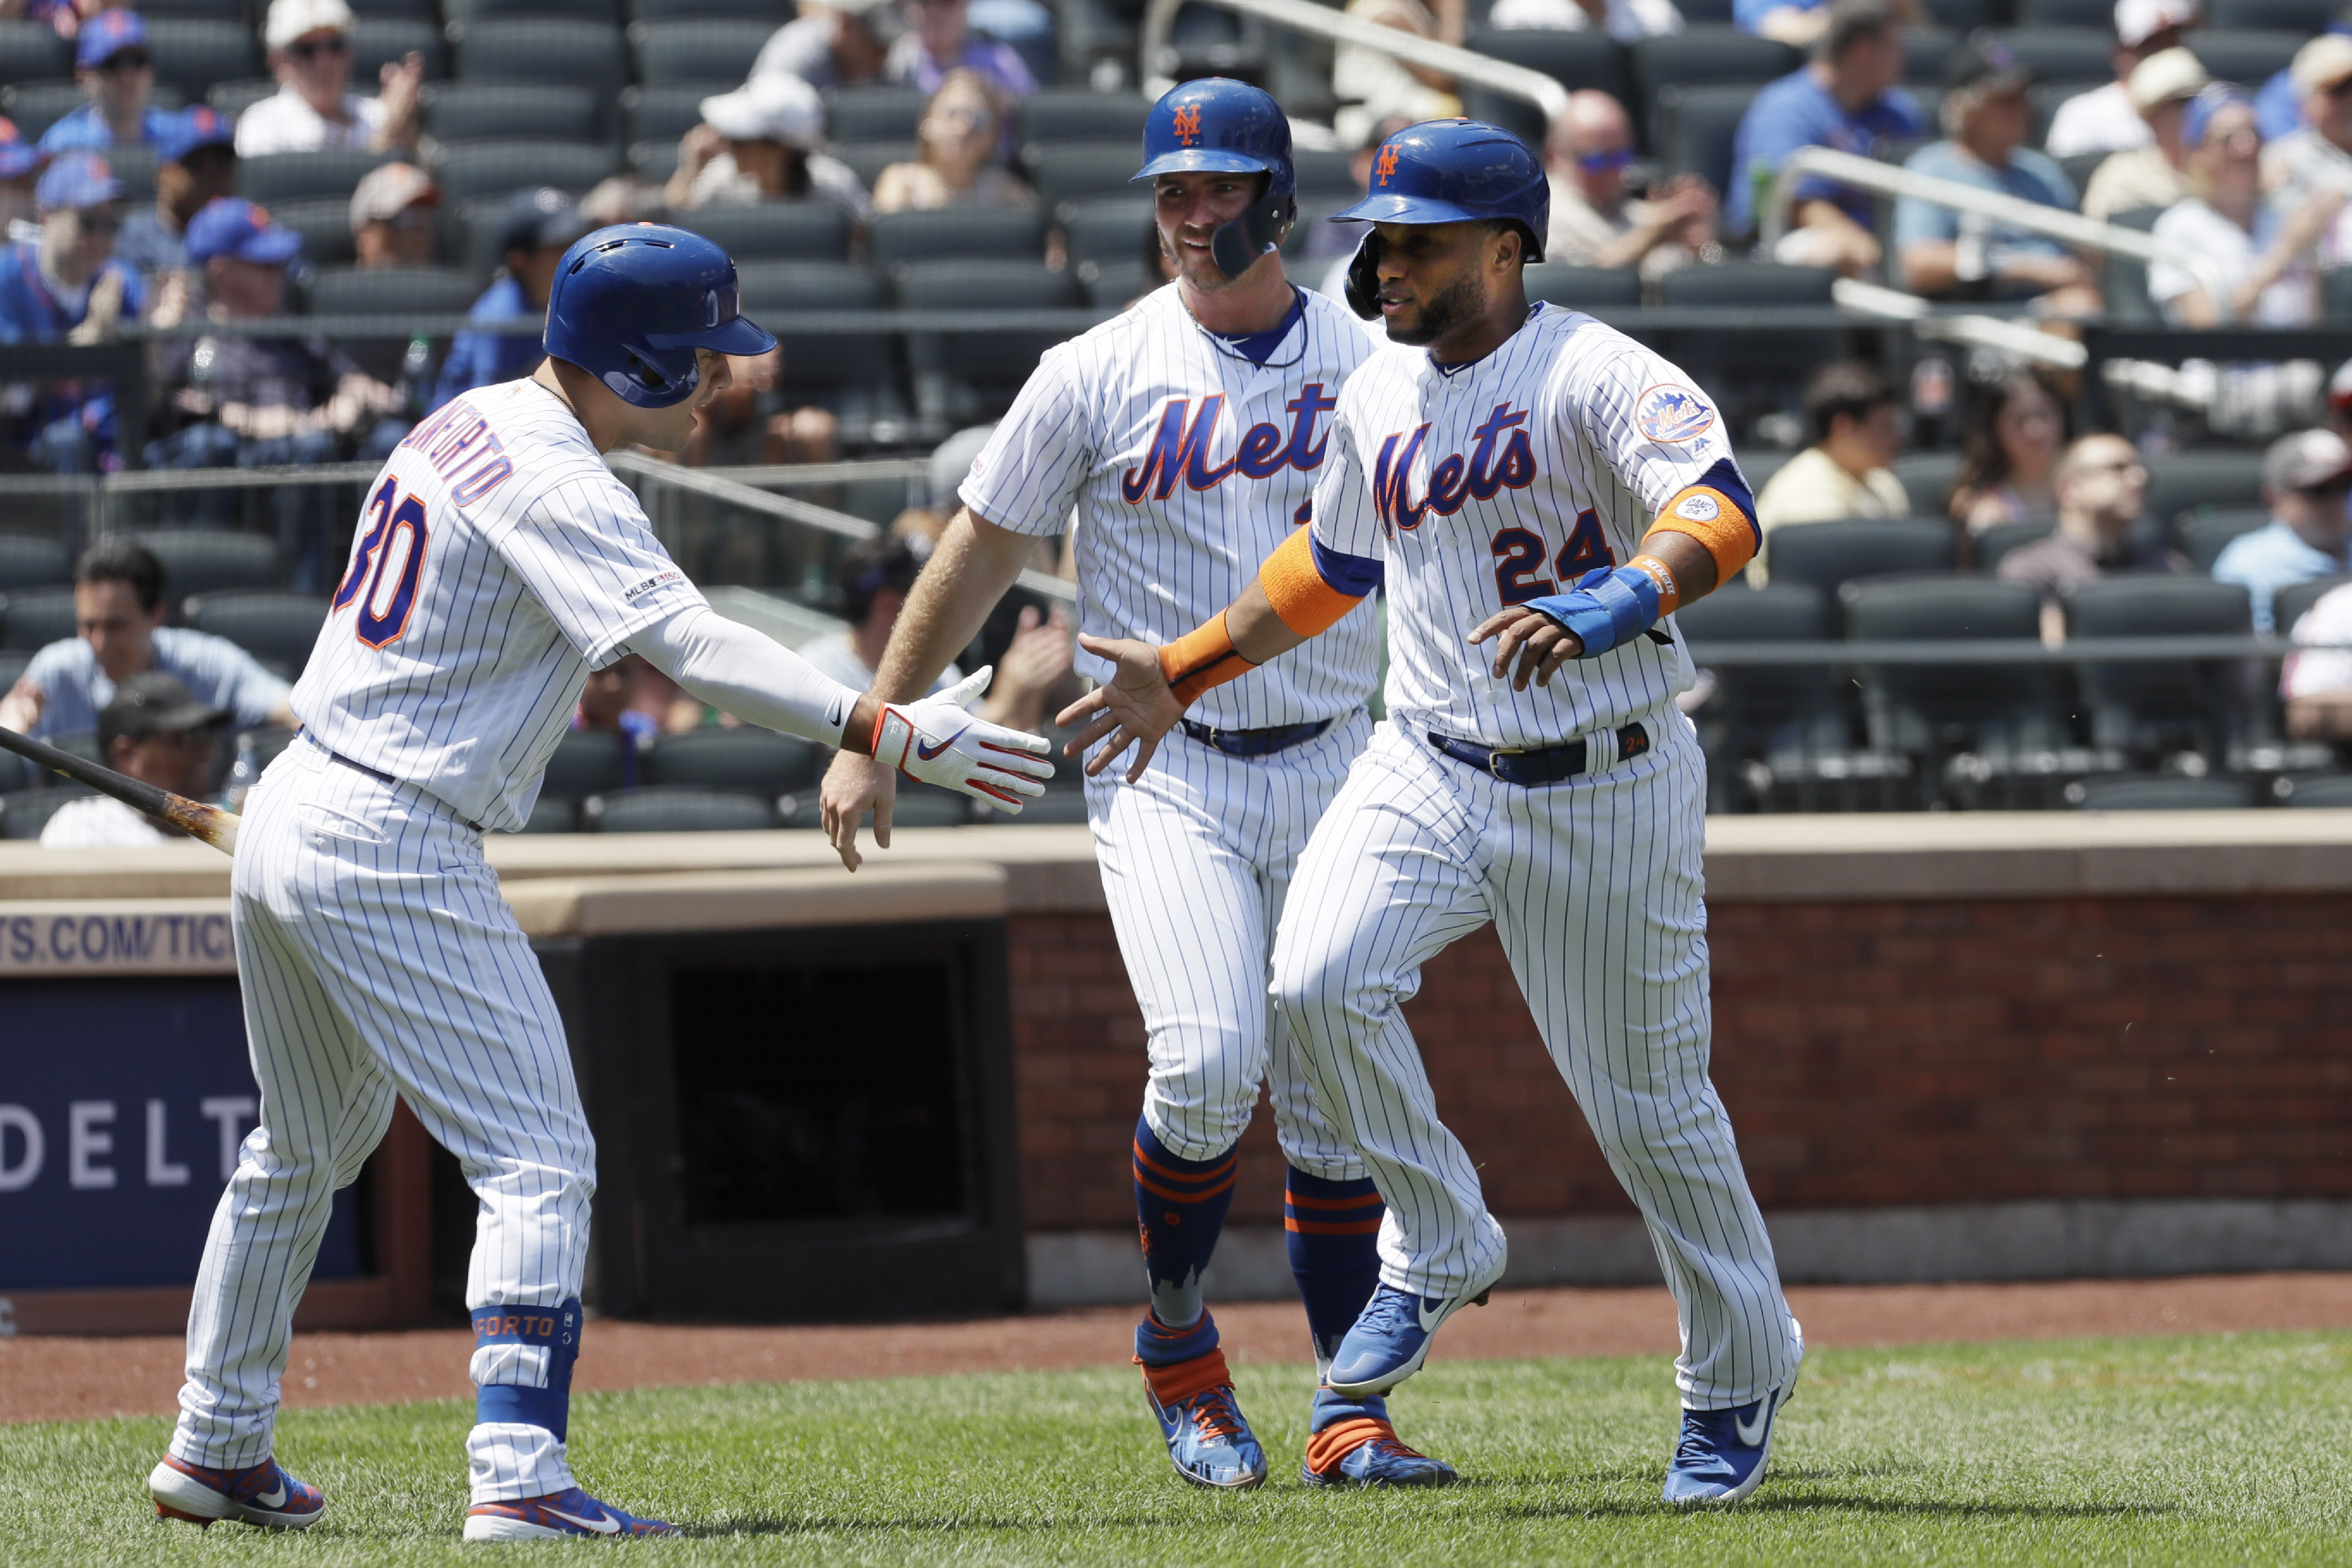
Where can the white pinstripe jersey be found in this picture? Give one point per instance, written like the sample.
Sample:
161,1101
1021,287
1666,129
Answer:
1501,482
1187,466
497,562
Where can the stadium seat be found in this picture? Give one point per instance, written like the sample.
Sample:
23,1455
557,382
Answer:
1326,172
895,239
2097,13
1583,287
924,805
874,113
2292,603
378,41
965,377
2217,477
1111,284
402,10
716,51
1070,115
1987,548
485,110
585,762
1576,60
200,561
24,813
677,810
775,231
536,48
2245,55
1793,711
1747,368
552,813
28,561
1928,478
193,52
602,11
1703,57
1828,555
766,11
828,362
748,760
866,160
2150,709
662,114
237,97
2305,17
495,168
392,292
2202,533
32,51
2058,56
2326,792
33,618
1082,169
292,176
1109,229
271,624
34,106
653,162
2078,168
1697,126
325,225
2162,793
1926,52
1936,710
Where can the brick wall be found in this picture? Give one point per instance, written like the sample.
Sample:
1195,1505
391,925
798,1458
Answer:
1871,1053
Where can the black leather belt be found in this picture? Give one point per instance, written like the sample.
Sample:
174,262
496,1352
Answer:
1530,767
1257,742
376,773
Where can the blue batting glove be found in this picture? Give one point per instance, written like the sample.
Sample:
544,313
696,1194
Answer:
1605,608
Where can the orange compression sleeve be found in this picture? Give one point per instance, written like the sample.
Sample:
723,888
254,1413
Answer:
1716,521
1201,658
1301,599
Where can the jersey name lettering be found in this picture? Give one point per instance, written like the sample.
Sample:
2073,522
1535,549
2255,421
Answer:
449,440
1451,480
1180,446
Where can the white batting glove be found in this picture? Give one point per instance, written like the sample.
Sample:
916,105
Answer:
935,740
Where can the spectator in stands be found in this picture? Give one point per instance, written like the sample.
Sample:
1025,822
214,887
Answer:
761,142
939,39
2306,483
119,615
1627,21
1593,223
67,287
1855,417
1372,86
2319,156
2262,254
2105,119
871,589
310,55
197,166
1953,254
155,731
393,208
610,702
2278,107
2102,485
1805,22
745,424
20,167
2156,174
624,198
2017,428
956,162
2315,681
265,401
115,67
832,43
1846,99
538,226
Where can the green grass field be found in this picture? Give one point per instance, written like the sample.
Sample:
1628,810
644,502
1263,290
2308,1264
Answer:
2222,1449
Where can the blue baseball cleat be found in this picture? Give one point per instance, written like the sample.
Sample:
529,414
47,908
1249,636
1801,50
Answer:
571,1513
1722,1454
1209,1440
1391,1338
261,1494
1354,1446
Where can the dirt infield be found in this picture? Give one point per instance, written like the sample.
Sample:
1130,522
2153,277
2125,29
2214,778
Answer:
53,1379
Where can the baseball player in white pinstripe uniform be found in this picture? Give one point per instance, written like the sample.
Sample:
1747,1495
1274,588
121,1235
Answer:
1532,478
1187,434
497,562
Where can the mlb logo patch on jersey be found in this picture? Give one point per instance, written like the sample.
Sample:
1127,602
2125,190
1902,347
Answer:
1671,415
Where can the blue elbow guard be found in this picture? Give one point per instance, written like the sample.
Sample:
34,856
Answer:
1605,608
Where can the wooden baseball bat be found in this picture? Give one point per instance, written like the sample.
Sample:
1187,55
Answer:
197,820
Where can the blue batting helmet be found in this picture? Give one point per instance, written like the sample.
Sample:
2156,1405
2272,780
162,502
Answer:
632,302
1219,126
1458,171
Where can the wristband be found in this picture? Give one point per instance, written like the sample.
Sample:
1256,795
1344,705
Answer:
1201,658
1605,608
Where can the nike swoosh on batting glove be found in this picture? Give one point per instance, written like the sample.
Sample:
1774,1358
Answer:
937,741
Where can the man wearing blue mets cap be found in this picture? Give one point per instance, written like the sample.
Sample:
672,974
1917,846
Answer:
67,286
195,165
117,69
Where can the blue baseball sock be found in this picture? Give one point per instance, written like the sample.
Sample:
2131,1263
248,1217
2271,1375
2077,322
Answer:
1331,1407
1334,1232
556,1330
1179,1205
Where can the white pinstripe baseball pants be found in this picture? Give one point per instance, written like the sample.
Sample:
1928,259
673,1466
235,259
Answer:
1595,886
1196,860
375,956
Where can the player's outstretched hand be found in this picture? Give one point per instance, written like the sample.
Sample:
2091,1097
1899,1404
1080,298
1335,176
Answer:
853,786
938,741
1135,710
1542,643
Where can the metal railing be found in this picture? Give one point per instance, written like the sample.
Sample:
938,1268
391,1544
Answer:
1304,17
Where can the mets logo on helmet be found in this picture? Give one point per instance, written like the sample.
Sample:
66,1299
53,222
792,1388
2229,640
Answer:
1188,122
1671,415
1386,164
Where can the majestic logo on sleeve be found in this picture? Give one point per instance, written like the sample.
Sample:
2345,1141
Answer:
1671,415
1187,123
1451,480
1180,446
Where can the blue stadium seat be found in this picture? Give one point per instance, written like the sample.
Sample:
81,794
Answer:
872,114
1697,126
2149,709
34,106
542,49
2202,532
293,176
1109,229
275,627
1828,555
495,168
1576,60
399,291
237,97
866,160
200,561
1074,115
962,378
485,110
28,561
714,51
2056,54
774,231
1931,710
1082,170
32,51
662,114
1986,549
1703,57
2292,603
1583,287
605,12
1004,234
33,618
748,760
377,41
682,810
193,52
2218,476
765,11
2305,17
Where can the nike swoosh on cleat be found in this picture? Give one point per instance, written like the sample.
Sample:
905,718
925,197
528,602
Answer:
929,753
1751,1435
1428,1325
273,1499
607,1525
